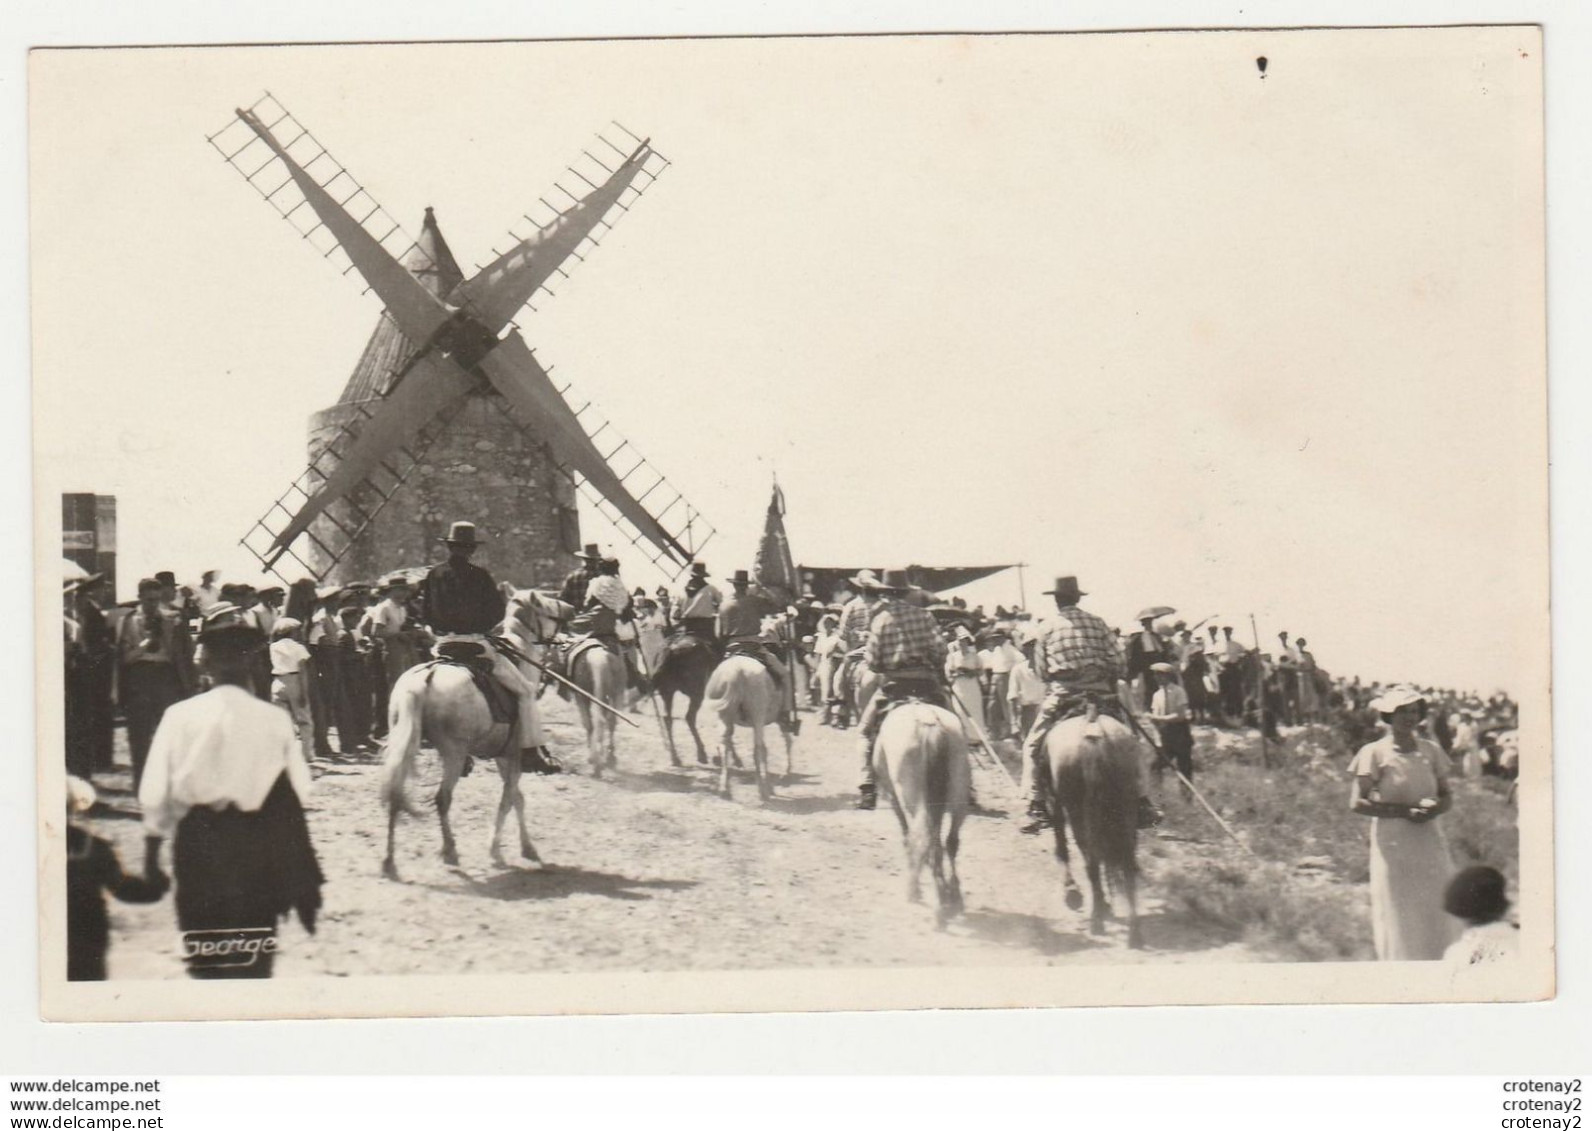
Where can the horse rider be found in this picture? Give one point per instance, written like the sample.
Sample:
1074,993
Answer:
462,604
855,617
607,604
698,607
573,590
1081,663
906,649
741,627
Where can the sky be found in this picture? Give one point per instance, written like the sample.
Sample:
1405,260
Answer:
1115,306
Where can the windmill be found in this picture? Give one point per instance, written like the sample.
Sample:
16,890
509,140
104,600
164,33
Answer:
445,344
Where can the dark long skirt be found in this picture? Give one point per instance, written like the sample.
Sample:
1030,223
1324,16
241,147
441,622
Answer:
238,873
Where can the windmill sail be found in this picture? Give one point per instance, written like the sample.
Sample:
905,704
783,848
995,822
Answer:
516,373
447,341
496,292
407,409
414,308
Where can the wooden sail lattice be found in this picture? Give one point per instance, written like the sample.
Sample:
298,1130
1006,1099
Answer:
341,526
663,500
265,173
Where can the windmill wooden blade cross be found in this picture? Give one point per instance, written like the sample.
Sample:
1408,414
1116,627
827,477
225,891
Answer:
517,374
448,346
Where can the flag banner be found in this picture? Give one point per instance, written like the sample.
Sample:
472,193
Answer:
774,569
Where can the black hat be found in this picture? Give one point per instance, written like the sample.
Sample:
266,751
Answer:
1066,588
741,578
462,534
591,553
699,569
226,627
166,577
895,581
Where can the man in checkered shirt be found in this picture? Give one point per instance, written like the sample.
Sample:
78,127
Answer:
907,651
1081,663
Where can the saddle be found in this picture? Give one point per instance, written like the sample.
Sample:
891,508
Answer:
762,654
681,641
561,655
1090,705
473,658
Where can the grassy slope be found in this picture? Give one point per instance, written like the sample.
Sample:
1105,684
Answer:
1291,813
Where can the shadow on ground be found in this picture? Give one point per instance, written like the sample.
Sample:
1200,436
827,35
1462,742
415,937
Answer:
559,882
1030,932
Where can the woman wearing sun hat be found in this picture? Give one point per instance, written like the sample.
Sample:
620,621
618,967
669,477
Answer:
1401,783
964,669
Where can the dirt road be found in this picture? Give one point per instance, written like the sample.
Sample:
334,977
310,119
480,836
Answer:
651,870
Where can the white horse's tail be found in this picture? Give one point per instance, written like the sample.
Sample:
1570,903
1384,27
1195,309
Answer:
405,712
723,693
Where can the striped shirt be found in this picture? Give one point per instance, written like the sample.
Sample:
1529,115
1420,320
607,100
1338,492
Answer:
904,637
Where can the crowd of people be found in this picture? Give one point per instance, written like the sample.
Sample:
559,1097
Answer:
181,664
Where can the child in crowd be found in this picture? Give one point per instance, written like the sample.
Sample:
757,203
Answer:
92,869
1476,895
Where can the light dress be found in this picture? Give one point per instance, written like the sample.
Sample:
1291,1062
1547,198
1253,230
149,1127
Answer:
1410,865
963,667
1488,942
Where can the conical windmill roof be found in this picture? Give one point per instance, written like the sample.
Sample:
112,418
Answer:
431,261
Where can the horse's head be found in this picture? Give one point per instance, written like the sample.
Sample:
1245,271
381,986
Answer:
537,614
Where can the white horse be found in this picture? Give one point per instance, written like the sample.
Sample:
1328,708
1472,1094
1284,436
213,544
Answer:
741,692
920,760
441,701
601,674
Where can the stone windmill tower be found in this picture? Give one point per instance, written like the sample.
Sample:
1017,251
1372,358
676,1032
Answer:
448,413
483,466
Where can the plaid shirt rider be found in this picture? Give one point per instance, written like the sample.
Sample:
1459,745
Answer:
854,620
904,637
1078,648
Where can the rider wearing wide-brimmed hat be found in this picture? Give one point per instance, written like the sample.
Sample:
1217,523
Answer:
698,606
907,651
573,589
741,627
1081,663
855,616
463,605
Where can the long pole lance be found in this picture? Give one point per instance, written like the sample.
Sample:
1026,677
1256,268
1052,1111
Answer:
516,654
1160,754
982,739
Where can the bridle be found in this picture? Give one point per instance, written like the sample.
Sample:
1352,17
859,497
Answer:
528,614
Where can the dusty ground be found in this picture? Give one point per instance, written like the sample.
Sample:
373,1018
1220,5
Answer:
653,871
